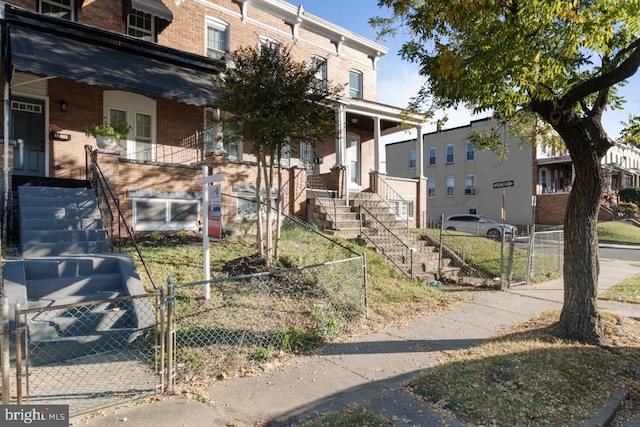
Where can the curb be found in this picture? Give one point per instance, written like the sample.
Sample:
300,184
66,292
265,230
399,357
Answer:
608,412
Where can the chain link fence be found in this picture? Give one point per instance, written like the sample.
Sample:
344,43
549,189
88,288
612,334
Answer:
88,355
258,317
466,258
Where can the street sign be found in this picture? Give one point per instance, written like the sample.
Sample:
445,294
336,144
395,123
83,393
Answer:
502,184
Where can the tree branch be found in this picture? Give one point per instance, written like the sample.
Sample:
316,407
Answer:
622,72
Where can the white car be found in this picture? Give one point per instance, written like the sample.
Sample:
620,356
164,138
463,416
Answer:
478,225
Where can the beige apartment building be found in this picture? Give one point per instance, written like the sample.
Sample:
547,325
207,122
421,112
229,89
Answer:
461,179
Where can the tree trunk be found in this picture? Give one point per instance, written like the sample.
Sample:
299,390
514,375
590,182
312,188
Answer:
587,144
259,208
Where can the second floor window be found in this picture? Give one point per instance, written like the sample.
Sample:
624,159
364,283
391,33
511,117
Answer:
355,84
320,65
412,159
64,9
432,156
471,151
217,38
449,154
141,26
271,44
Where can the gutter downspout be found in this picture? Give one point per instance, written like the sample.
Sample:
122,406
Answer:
7,111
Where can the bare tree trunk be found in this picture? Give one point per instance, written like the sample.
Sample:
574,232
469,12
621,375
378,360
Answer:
580,319
268,173
278,215
259,229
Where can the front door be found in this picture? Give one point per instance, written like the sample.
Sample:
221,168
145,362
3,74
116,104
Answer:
28,131
353,159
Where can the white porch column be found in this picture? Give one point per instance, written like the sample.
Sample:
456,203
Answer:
380,154
419,154
341,132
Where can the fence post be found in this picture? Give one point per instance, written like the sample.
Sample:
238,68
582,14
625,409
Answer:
512,248
4,348
18,329
163,326
364,281
169,339
440,246
531,254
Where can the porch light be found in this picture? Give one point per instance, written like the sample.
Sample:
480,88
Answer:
63,105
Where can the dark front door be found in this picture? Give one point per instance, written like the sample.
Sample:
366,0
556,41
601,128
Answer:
28,131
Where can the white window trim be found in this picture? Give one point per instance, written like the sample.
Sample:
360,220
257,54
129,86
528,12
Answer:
467,151
151,33
361,84
453,187
412,159
435,156
453,154
219,24
132,103
431,186
167,224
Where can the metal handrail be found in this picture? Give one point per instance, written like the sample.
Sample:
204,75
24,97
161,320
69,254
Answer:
100,184
314,179
388,233
387,190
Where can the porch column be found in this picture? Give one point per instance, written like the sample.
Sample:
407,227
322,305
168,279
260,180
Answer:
341,131
419,155
380,154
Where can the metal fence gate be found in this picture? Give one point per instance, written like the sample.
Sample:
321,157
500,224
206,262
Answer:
87,355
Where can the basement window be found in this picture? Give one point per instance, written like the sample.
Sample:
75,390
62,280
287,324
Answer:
165,214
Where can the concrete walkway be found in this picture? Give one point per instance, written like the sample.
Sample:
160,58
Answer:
369,369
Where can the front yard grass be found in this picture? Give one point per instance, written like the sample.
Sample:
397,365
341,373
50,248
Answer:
626,291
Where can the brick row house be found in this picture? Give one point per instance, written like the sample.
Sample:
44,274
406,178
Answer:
69,64
460,179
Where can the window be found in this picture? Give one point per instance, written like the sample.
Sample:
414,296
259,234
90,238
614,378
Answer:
432,156
141,25
246,209
449,154
320,65
431,188
355,84
471,151
470,185
272,45
412,159
217,38
402,208
140,113
165,214
218,140
449,183
64,9
142,132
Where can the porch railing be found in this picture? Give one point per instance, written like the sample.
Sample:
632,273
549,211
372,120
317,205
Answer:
110,204
386,242
396,202
322,195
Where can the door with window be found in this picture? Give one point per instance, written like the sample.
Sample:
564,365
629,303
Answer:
28,130
352,158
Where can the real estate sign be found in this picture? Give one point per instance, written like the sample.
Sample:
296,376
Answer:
214,214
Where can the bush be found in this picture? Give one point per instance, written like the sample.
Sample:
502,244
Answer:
628,210
630,195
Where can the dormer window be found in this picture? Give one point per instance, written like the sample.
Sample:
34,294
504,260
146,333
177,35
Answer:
146,18
141,26
63,9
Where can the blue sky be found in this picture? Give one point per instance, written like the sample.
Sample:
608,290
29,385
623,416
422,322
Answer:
398,80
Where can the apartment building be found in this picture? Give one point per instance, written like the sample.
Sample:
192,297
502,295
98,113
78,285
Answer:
534,179
70,64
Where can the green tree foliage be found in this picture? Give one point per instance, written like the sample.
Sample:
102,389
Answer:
558,59
272,102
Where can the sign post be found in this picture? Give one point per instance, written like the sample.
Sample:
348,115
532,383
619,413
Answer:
503,185
212,213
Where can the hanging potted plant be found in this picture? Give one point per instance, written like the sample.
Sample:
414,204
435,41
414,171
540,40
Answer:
108,134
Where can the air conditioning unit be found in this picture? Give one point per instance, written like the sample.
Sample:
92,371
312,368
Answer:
470,191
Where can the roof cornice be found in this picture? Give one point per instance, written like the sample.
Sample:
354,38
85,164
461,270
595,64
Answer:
298,17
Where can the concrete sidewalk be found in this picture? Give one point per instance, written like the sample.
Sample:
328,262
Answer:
369,369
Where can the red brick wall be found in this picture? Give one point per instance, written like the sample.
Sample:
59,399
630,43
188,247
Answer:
550,208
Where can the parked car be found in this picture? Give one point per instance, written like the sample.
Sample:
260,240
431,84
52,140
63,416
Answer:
479,225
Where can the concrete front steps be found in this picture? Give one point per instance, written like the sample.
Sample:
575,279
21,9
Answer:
69,331
60,221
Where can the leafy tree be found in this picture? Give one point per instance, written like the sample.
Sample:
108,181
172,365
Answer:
270,102
559,59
